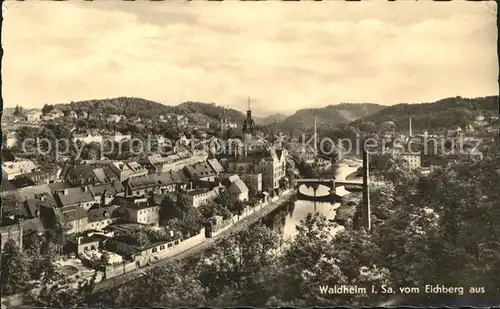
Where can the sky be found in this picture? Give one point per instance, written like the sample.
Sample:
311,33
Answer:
284,56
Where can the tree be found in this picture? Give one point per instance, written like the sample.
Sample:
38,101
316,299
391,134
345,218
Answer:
47,108
18,111
386,126
169,286
368,127
64,293
233,266
15,269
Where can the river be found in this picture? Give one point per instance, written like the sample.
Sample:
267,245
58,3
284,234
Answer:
285,219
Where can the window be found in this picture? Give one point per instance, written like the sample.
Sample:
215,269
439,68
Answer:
154,250
170,245
162,247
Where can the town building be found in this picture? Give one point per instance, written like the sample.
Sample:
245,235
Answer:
83,115
33,115
271,164
73,218
83,244
181,121
72,114
200,171
216,166
125,170
113,118
105,193
11,140
414,160
236,187
140,186
37,178
198,197
16,168
154,163
101,217
116,137
75,197
253,182
88,138
169,181
143,211
82,174
248,129
201,125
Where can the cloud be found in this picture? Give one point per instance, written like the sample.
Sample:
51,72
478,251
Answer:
286,56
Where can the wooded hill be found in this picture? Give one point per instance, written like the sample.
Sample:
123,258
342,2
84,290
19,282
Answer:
129,107
447,113
328,117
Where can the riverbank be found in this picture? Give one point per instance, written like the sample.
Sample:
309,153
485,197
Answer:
249,217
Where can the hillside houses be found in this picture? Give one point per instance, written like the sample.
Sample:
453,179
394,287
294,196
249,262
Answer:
116,137
88,137
33,115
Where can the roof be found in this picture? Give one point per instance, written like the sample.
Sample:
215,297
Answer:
140,205
34,224
200,170
82,172
7,185
100,174
227,180
30,192
102,213
140,182
20,166
215,165
197,192
165,178
108,188
87,240
155,159
33,205
70,213
74,196
238,186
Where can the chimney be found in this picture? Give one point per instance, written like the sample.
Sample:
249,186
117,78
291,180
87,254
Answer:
20,225
366,191
79,240
65,192
315,136
42,198
411,134
85,188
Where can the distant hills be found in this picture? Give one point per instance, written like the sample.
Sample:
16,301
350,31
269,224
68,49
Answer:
443,114
329,116
274,118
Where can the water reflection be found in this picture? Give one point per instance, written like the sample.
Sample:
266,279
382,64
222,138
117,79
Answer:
286,218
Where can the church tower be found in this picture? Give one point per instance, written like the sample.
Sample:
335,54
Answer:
248,129
223,125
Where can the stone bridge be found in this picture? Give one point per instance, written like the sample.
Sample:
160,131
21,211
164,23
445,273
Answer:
328,182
